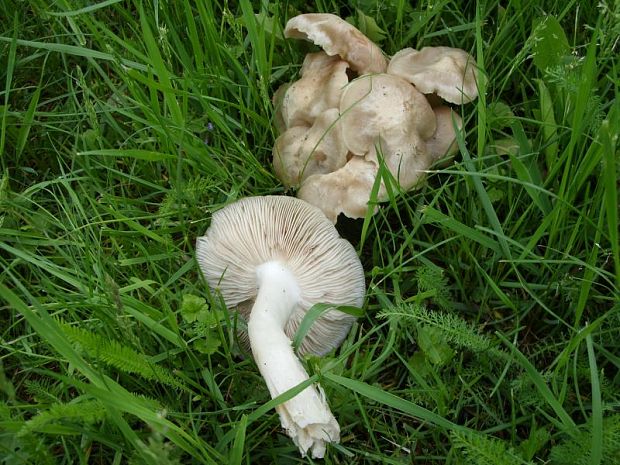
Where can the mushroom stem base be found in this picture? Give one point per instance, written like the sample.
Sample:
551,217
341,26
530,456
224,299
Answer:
306,417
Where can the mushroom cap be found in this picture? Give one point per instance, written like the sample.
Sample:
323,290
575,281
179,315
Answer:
446,71
278,101
386,106
337,37
322,79
443,142
256,230
302,151
407,160
346,190
386,114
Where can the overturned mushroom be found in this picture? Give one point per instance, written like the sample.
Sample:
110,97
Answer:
280,256
448,72
337,37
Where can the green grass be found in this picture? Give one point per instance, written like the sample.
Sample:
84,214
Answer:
492,319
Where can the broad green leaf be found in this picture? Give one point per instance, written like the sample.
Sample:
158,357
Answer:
192,307
419,363
367,25
550,45
208,344
499,115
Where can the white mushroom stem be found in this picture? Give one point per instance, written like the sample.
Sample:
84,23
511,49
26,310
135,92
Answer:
306,417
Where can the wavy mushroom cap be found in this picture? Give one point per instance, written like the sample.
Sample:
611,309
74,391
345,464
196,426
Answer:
337,37
322,79
303,151
256,230
445,71
385,106
278,103
346,190
443,142
384,115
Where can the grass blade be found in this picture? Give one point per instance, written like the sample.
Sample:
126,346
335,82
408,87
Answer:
315,313
386,398
432,215
568,423
597,406
236,451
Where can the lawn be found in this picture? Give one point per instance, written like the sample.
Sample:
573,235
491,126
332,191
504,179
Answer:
491,325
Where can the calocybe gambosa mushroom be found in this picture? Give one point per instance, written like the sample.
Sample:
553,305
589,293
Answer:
279,256
395,113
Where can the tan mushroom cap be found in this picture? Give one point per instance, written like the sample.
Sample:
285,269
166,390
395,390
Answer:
406,161
256,230
303,151
346,190
322,79
387,114
383,106
337,37
443,142
410,160
278,100
446,71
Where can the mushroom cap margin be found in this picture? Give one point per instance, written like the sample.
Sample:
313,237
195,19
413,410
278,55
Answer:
446,71
337,37
301,151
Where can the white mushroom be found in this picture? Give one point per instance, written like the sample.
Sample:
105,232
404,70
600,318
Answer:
393,113
346,190
322,80
278,101
337,37
281,256
445,71
302,151
385,113
442,143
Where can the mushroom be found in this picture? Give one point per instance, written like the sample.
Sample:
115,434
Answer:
395,114
302,151
278,101
318,89
383,117
280,256
346,190
385,113
448,72
337,37
442,143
